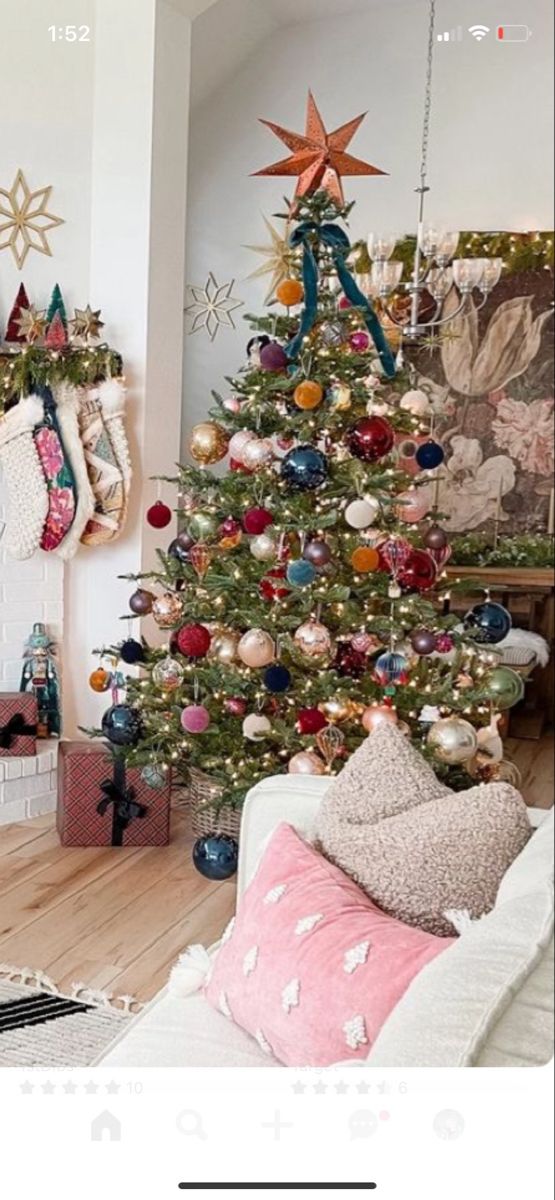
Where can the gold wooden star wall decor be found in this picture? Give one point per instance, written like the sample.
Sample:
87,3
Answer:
25,219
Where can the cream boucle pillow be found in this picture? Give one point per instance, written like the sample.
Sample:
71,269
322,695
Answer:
440,850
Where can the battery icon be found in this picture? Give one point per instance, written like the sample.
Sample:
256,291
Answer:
513,33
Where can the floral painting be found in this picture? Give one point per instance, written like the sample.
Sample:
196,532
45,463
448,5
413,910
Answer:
491,385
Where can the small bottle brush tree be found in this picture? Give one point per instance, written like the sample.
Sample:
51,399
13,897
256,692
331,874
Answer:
300,596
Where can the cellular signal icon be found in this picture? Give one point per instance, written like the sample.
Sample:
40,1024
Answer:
453,35
479,31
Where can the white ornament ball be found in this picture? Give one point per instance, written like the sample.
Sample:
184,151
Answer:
359,514
256,648
238,442
416,402
255,727
306,763
257,453
263,548
453,740
314,640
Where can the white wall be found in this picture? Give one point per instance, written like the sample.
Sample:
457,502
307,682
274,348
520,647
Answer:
490,152
49,138
105,122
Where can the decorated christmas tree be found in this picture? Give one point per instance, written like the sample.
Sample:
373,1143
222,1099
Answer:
303,596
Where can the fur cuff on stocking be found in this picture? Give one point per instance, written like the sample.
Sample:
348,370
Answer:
22,418
24,476
67,406
112,397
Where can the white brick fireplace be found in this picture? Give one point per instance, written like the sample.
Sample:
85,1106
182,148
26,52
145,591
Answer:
29,591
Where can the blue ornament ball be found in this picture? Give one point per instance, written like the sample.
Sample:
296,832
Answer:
277,679
132,652
488,623
300,573
390,667
121,724
215,856
429,455
304,468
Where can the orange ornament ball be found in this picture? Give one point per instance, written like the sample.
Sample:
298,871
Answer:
290,292
99,681
365,559
308,394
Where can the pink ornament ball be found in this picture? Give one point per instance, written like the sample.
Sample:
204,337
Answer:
412,506
159,515
195,718
344,303
306,763
232,405
236,706
360,341
238,442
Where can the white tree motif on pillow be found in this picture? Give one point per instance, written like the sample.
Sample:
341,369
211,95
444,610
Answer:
224,1006
275,893
355,957
306,924
264,1045
250,960
355,1032
228,931
290,995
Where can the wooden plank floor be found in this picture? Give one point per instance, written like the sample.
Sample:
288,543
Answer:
118,920
115,920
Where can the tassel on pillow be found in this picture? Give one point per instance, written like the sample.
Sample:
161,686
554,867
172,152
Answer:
190,972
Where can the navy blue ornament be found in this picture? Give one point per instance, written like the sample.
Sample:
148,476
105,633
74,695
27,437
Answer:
132,652
304,468
488,623
300,573
429,455
215,856
277,679
122,725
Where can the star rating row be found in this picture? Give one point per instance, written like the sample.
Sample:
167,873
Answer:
69,1088
342,1088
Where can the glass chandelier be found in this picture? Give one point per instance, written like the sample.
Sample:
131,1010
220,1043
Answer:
435,270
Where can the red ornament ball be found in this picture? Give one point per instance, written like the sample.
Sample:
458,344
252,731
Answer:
235,465
350,662
159,515
271,588
193,640
370,439
256,520
310,720
236,706
419,573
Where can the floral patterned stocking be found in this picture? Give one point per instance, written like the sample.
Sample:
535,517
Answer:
60,482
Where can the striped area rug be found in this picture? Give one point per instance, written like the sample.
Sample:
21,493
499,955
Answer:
41,1027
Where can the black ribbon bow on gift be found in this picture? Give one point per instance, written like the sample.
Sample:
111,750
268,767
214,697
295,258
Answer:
126,807
16,727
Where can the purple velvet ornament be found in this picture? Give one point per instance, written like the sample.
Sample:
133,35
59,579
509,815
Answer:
423,641
273,357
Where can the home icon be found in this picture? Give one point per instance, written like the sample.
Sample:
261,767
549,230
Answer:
106,1128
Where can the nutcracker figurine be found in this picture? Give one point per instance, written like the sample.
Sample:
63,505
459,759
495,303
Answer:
40,676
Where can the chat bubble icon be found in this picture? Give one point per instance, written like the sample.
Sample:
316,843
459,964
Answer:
362,1124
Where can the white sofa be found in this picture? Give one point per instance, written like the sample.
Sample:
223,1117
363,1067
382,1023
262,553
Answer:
486,1001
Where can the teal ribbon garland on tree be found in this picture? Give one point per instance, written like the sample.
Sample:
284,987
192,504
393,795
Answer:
337,240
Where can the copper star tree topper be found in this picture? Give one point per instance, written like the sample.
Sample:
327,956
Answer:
319,158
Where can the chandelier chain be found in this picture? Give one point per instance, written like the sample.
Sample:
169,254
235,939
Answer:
428,95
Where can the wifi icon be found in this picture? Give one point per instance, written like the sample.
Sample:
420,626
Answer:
479,31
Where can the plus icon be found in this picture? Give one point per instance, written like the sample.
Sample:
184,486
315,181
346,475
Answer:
277,1125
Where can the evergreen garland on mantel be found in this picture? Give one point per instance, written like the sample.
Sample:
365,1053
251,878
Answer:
25,368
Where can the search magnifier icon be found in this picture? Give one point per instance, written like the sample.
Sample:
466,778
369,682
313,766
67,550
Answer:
189,1122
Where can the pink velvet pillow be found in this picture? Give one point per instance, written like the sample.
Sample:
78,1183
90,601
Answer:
310,966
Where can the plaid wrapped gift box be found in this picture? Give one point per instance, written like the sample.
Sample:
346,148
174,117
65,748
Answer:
100,803
18,724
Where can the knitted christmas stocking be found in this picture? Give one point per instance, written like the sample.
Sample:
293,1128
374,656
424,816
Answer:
112,396
104,474
60,483
27,493
67,407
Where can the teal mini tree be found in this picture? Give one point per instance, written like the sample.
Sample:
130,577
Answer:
302,595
